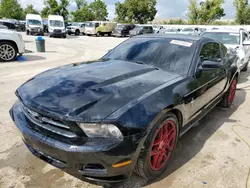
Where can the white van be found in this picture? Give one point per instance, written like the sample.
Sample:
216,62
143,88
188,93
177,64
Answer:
34,24
56,26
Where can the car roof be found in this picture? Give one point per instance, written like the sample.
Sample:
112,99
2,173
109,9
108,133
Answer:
172,36
224,30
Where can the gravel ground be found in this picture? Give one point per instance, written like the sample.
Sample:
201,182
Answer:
213,154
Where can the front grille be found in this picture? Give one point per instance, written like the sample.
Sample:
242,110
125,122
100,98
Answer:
65,131
57,30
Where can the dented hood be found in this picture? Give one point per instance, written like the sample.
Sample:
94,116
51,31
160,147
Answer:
90,91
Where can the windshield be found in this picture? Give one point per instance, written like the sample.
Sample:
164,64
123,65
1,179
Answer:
187,29
167,54
138,27
120,26
90,24
76,24
224,38
171,30
56,23
34,22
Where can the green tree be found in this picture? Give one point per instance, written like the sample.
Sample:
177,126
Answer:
53,8
121,12
176,22
80,3
206,12
210,10
242,11
99,10
193,12
30,10
137,11
83,14
11,9
63,9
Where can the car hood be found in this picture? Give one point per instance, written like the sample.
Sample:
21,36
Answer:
90,91
61,28
35,26
74,27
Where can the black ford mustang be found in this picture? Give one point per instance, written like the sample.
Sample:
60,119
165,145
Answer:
102,120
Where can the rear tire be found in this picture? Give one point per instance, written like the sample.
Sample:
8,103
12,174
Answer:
158,147
228,98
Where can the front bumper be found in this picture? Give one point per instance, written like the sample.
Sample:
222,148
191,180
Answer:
55,34
92,161
117,34
71,31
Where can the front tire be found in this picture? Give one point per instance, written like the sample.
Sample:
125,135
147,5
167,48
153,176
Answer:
98,34
159,146
8,51
27,32
77,32
228,98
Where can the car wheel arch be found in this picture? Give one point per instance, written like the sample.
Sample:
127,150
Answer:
177,112
12,42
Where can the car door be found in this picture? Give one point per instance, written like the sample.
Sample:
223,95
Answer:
211,82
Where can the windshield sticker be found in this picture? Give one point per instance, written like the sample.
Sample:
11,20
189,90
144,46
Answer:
181,43
234,34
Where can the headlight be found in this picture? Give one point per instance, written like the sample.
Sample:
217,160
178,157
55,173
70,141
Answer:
51,30
101,131
63,30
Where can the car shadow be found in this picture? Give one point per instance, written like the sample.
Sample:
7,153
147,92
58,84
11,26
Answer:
32,58
191,143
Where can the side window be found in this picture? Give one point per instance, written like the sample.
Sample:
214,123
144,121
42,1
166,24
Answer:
210,51
97,24
224,50
244,36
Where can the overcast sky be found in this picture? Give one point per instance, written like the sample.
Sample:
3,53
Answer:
166,8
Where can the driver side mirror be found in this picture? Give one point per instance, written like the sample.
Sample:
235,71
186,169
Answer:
246,43
208,65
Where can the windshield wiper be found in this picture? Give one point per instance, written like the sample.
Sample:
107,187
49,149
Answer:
140,62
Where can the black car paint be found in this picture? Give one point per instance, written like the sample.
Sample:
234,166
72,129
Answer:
133,98
124,31
141,31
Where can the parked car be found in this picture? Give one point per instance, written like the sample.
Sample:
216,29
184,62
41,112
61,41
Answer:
34,24
122,30
99,28
237,39
76,28
3,27
56,26
190,31
8,24
172,31
11,45
20,25
103,119
141,29
158,28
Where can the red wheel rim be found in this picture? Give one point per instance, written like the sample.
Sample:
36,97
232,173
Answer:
232,92
163,145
